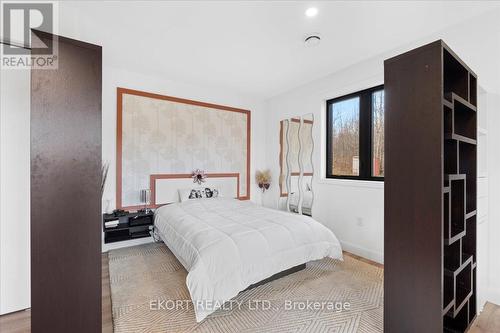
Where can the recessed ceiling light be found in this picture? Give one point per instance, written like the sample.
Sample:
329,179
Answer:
311,12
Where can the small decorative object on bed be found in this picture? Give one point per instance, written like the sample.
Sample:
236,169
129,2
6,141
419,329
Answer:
263,178
199,176
211,192
198,193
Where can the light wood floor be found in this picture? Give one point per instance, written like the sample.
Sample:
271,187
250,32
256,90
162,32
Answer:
19,322
488,321
107,317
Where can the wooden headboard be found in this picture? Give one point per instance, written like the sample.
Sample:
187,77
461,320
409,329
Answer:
165,187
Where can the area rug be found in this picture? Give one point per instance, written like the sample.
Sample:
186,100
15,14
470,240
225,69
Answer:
149,294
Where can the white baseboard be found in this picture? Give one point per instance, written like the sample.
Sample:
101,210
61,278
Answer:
493,296
363,252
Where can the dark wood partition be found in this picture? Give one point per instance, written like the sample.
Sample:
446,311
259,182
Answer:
65,191
430,192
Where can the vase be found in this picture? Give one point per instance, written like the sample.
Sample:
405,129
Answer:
107,206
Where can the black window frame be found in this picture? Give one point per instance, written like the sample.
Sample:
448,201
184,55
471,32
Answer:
365,135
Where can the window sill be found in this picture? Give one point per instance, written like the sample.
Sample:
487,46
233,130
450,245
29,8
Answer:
352,182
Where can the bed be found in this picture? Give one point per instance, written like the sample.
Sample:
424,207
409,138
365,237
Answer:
227,245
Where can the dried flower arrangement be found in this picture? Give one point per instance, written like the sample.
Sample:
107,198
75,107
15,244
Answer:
263,178
199,176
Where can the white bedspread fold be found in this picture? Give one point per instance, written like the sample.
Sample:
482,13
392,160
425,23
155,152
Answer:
227,245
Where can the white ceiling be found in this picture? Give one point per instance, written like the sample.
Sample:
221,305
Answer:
254,47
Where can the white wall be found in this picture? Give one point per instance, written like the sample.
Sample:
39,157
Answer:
73,25
15,104
354,209
493,260
14,190
115,77
482,217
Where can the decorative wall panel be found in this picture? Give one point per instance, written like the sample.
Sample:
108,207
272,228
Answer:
166,135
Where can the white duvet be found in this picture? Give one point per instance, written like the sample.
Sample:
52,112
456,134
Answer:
227,245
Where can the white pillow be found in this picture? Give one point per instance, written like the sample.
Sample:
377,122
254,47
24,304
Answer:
198,193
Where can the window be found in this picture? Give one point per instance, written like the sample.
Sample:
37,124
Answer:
377,144
345,137
355,135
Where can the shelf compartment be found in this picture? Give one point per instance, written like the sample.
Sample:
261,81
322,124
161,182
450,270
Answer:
469,241
447,117
466,260
452,256
463,285
112,236
451,157
448,294
467,165
140,234
472,89
455,75
461,281
464,118
446,213
459,120
457,210
458,323
139,231
472,300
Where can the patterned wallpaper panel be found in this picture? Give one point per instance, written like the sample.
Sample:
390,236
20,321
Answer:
167,137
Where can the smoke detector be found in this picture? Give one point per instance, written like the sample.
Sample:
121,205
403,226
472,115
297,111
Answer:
312,40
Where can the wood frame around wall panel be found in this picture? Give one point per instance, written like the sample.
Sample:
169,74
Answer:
119,135
153,178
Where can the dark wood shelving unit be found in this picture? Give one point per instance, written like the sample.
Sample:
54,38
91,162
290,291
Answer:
430,191
131,225
460,98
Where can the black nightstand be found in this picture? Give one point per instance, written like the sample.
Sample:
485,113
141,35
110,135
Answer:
127,226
